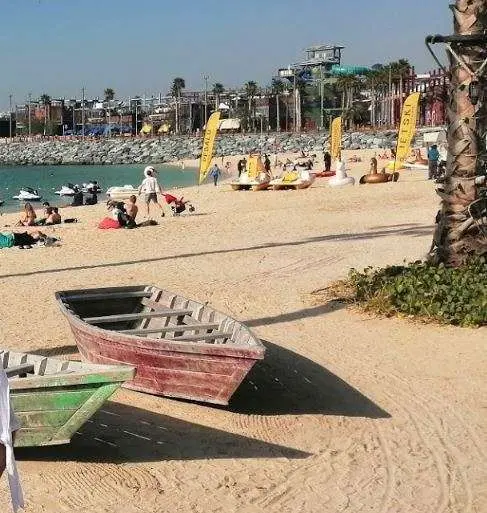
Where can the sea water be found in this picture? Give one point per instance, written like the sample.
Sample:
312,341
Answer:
48,179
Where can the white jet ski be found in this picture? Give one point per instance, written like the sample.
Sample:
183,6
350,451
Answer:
28,194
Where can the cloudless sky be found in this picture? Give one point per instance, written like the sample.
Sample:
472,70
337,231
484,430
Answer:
138,47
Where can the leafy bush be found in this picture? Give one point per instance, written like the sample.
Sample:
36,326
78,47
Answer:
451,295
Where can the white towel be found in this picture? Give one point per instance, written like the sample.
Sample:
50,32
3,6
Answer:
9,423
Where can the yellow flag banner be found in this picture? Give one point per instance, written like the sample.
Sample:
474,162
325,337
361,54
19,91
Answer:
407,128
336,138
208,145
254,167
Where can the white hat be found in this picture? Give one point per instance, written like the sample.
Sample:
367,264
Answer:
149,169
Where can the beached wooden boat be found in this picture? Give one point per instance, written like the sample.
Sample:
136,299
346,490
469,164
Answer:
53,398
181,348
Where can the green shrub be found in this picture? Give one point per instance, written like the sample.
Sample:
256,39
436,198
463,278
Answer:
450,295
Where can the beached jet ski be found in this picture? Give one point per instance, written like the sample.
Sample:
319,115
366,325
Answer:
28,194
121,192
67,190
91,187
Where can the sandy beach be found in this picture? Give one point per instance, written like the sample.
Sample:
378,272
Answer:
346,413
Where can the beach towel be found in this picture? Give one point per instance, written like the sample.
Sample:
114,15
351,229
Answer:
9,423
107,223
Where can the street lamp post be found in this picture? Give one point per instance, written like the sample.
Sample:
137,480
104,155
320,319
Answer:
83,113
109,121
206,77
30,121
136,116
322,118
10,117
286,94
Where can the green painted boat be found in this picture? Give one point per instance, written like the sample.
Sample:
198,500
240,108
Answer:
53,398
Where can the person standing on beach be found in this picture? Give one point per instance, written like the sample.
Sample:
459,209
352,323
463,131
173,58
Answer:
327,160
267,163
433,157
215,173
8,426
240,167
150,187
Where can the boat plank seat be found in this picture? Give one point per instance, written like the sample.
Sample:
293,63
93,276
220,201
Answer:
178,327
19,370
202,336
107,295
135,316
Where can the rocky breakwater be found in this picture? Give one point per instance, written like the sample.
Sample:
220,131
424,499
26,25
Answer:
173,148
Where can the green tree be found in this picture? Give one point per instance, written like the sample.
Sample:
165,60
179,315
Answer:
251,89
109,94
218,90
178,84
348,85
45,101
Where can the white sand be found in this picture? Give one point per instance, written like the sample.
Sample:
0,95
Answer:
347,412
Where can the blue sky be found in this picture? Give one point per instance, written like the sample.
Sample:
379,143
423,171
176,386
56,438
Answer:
59,46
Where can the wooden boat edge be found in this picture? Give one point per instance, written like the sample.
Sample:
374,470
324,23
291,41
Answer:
256,351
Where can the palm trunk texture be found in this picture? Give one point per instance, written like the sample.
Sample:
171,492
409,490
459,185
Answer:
456,237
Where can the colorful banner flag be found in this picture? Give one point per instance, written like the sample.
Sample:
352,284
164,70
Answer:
254,167
407,129
336,138
208,145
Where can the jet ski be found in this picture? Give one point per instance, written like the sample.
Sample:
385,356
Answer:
121,192
91,187
67,190
28,194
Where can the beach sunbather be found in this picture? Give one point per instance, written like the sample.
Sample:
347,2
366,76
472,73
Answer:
23,240
131,208
53,216
28,216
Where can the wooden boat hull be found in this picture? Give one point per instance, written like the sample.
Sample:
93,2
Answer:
54,401
194,370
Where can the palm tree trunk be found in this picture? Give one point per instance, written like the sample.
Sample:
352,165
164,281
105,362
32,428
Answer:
455,237
374,107
278,115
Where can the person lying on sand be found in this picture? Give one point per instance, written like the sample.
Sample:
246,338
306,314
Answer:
25,240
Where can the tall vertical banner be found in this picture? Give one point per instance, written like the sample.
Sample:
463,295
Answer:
336,138
407,128
208,144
